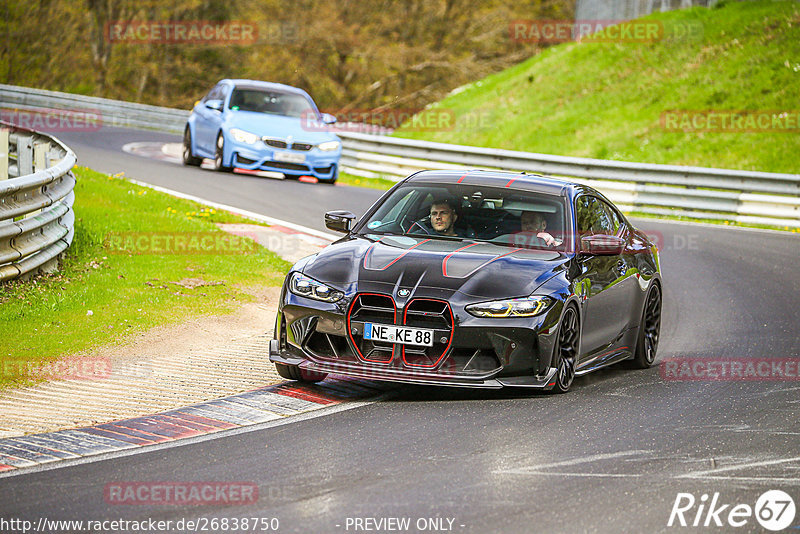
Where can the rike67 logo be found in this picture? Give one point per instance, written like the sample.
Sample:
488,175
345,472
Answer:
774,510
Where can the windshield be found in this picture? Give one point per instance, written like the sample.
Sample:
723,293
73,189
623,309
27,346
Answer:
452,211
272,102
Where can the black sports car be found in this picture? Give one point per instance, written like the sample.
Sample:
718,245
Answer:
477,279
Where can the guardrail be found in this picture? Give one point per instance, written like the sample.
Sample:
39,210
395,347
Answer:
694,192
106,112
36,198
697,192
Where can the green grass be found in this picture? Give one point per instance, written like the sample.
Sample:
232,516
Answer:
48,317
371,183
605,100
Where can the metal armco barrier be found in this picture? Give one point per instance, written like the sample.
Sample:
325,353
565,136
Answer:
699,192
695,192
36,197
114,113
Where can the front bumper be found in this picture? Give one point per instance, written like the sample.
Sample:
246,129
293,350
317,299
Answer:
409,377
321,165
474,352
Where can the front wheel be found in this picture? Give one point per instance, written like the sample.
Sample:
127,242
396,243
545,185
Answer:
566,350
218,153
293,372
189,158
649,330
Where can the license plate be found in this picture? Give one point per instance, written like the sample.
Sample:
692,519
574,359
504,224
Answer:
398,334
289,157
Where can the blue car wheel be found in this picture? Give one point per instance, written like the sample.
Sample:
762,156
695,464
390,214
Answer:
218,155
188,157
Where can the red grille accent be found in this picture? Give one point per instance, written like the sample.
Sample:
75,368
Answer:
428,313
419,312
372,307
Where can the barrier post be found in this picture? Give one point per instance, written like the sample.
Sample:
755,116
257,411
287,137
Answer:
4,153
24,155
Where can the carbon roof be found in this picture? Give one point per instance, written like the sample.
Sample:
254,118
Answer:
529,182
257,84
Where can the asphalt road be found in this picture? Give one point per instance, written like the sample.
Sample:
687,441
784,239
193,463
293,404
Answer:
610,456
288,200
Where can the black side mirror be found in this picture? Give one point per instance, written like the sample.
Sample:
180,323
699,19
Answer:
216,105
602,245
339,221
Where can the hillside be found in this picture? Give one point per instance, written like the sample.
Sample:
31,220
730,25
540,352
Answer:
349,55
606,99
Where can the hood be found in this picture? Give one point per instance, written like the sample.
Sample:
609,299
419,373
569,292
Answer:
476,269
279,126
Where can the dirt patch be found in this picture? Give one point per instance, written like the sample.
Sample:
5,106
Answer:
164,368
191,283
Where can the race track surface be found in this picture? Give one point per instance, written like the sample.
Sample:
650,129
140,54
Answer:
610,456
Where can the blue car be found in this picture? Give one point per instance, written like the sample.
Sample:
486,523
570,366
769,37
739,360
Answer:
256,125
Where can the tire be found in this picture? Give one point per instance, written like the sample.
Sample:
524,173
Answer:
189,159
566,350
649,330
218,153
332,179
293,372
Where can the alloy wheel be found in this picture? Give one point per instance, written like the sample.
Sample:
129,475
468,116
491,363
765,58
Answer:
567,349
652,324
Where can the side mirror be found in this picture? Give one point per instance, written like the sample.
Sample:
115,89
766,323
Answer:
216,105
339,221
327,118
602,245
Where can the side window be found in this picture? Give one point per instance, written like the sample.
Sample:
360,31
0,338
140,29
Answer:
613,217
223,91
214,94
592,217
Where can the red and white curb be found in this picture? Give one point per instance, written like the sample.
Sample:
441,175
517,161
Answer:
172,153
252,410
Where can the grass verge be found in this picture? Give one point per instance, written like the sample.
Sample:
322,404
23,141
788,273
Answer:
371,183
101,295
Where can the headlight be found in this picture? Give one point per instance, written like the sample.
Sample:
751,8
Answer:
329,146
310,288
522,307
244,137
